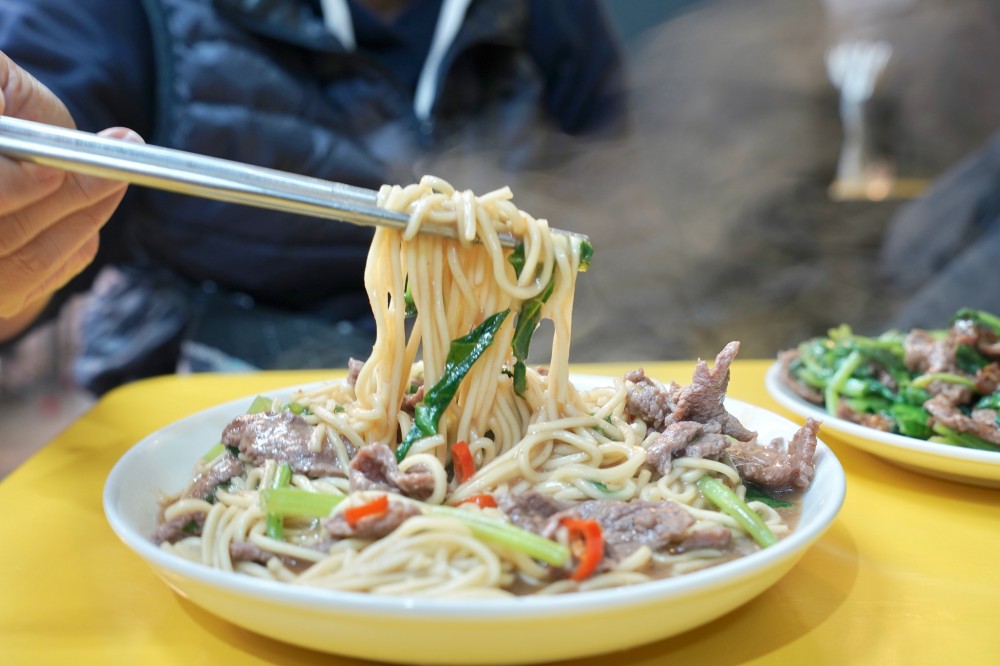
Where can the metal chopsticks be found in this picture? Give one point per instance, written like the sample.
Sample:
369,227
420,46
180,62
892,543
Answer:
199,175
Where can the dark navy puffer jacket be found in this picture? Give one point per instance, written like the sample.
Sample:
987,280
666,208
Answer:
268,82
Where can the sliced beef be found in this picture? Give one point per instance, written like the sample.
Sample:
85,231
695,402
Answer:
703,399
206,481
629,525
181,527
923,352
354,367
244,551
877,421
716,537
375,468
776,467
649,400
944,409
804,391
372,527
410,400
685,438
988,379
284,437
530,510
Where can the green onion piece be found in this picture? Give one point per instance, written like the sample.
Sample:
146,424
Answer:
923,381
260,404
505,534
723,497
298,502
755,494
213,452
586,254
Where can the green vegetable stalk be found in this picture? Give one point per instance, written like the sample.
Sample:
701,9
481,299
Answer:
275,523
727,501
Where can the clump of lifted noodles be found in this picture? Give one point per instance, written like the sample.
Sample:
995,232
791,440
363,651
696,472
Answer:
444,465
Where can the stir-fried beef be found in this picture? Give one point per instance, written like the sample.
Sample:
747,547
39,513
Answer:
410,400
716,537
284,437
206,481
944,409
530,510
877,421
776,467
372,527
629,525
701,401
649,400
804,391
353,370
375,468
181,527
244,551
923,352
685,438
988,378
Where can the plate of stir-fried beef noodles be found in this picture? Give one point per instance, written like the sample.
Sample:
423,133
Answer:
448,502
926,399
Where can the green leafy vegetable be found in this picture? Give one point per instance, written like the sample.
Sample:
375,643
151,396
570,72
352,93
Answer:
259,405
462,354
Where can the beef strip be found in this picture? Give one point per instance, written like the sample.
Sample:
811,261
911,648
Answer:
284,437
944,409
649,400
701,401
804,391
375,468
685,438
717,538
207,480
181,527
372,527
876,421
627,526
354,367
530,510
776,467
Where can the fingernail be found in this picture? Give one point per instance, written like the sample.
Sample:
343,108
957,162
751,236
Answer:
122,134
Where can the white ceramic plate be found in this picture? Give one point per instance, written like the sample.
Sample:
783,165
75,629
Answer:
972,466
485,631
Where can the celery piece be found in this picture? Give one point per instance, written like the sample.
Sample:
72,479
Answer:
833,388
298,502
723,497
275,523
213,452
505,534
260,404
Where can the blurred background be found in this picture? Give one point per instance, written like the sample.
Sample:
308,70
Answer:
774,144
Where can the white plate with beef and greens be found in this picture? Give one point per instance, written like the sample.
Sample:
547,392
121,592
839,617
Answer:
926,399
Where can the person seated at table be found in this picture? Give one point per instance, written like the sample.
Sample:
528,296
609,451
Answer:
364,92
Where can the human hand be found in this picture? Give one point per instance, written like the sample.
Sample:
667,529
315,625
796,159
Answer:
49,219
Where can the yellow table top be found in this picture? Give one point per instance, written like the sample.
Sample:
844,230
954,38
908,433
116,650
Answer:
909,572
